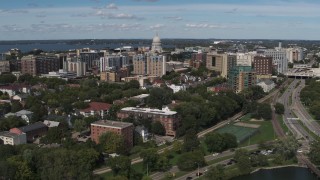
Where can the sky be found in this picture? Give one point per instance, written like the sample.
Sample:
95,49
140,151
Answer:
142,19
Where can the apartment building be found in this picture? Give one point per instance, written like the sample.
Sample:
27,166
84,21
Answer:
169,119
121,128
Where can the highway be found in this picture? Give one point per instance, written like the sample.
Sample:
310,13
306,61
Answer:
289,118
301,111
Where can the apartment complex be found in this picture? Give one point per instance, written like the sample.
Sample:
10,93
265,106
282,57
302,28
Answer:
169,119
43,64
114,75
221,63
149,64
113,62
121,128
241,77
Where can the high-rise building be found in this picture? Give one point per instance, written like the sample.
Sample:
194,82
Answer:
221,63
263,65
28,65
77,67
113,62
149,64
169,119
121,128
47,63
241,77
295,54
279,58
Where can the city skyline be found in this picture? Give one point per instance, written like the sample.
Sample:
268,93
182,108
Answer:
135,19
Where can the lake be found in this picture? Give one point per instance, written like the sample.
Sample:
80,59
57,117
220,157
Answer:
287,173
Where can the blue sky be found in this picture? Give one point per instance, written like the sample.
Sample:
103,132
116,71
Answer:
132,19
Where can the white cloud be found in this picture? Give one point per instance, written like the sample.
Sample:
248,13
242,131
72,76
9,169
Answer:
112,6
157,27
203,26
175,18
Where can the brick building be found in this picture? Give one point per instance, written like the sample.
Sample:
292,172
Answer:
43,64
122,128
169,119
262,65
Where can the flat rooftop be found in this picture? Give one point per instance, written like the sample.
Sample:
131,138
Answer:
164,111
112,124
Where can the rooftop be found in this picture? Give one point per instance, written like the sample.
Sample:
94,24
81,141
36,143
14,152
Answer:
31,127
164,111
113,124
96,106
8,134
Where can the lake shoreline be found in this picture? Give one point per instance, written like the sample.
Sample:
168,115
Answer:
276,167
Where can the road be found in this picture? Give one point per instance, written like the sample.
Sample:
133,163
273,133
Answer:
289,118
301,111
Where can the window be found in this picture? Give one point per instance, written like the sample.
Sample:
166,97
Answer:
213,61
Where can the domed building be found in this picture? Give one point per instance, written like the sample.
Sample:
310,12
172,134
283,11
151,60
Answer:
156,44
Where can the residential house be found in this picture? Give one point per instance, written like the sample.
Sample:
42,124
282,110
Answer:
96,108
33,131
51,124
14,89
267,85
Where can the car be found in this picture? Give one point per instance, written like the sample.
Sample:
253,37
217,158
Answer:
188,178
199,174
215,154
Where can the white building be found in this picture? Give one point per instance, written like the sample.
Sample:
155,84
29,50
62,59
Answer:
244,59
12,138
267,85
279,58
295,54
177,88
77,67
143,132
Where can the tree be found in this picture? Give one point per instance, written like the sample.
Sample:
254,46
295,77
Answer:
286,147
177,147
279,108
15,106
158,128
120,165
80,125
190,141
150,158
243,161
7,78
220,142
216,173
191,160
112,143
264,111
159,97
54,135
11,122
314,153
163,163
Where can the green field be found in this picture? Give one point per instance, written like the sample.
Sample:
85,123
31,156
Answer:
264,133
242,133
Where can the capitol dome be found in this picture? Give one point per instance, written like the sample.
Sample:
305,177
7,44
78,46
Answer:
156,39
156,44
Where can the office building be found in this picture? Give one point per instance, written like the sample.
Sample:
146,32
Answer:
28,65
121,128
279,58
169,119
244,59
221,63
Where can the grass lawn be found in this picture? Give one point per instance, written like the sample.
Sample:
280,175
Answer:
265,133
283,125
246,117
